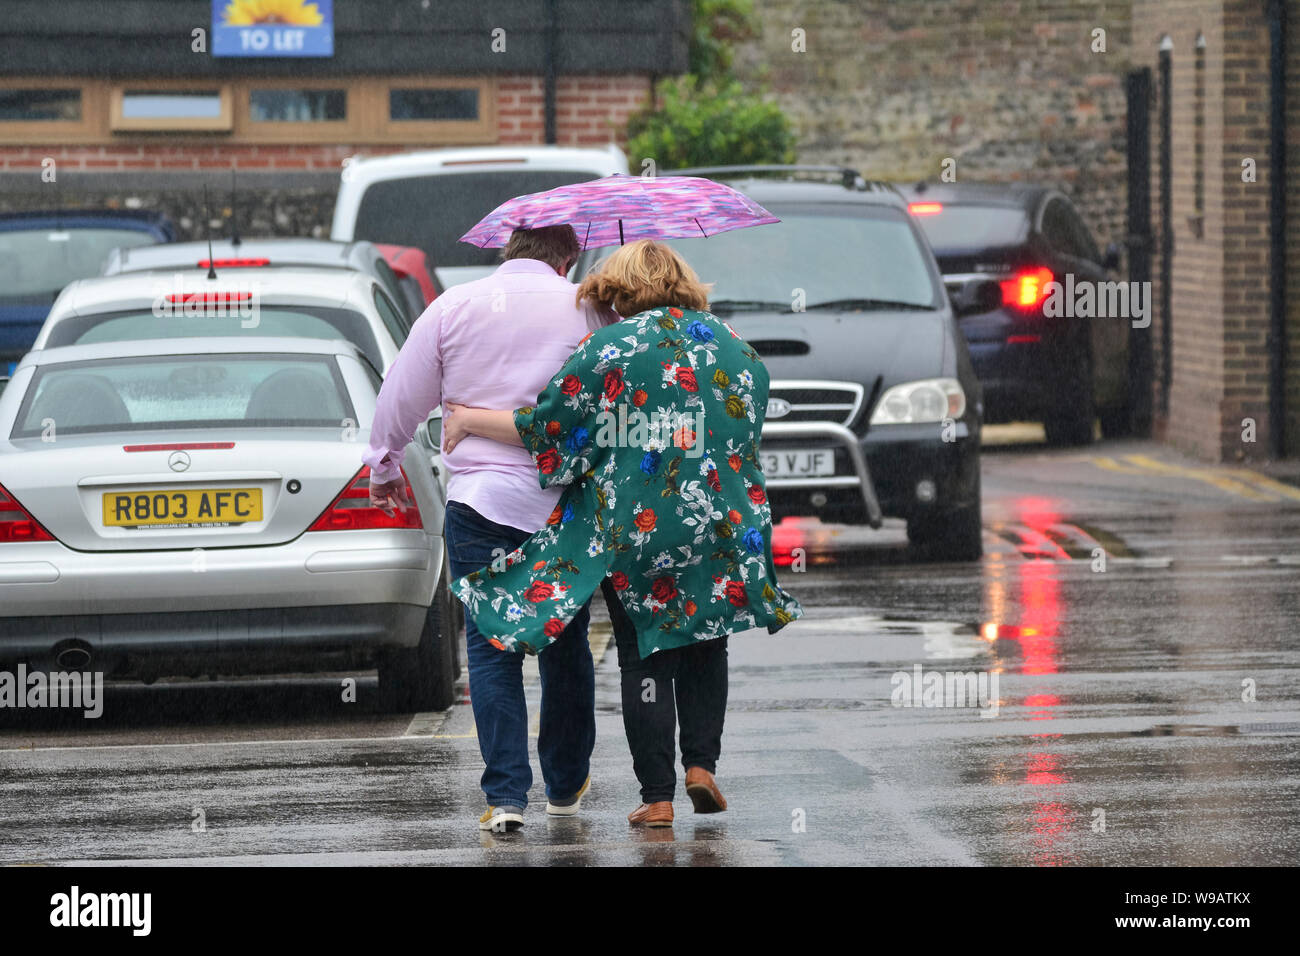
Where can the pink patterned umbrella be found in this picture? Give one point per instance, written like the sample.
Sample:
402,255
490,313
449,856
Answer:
622,208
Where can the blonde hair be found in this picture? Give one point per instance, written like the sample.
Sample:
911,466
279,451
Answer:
644,275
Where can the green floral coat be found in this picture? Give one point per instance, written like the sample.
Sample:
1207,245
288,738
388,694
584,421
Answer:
653,424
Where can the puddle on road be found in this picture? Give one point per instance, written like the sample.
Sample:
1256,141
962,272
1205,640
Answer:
941,640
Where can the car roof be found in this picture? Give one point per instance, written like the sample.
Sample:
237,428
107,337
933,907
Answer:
765,189
226,345
361,170
142,220
1026,196
328,288
290,251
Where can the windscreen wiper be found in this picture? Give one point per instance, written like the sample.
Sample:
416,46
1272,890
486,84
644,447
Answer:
878,305
748,305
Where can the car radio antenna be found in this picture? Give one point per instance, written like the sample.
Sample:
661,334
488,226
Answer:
207,232
234,212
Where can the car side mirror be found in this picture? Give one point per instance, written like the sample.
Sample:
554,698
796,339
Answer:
429,432
977,297
1110,261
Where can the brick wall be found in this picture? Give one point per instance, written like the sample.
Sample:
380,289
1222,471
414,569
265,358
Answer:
1011,90
1220,272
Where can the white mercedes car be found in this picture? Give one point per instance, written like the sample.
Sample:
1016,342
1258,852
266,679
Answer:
242,303
196,506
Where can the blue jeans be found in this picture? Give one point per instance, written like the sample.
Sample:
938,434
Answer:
567,732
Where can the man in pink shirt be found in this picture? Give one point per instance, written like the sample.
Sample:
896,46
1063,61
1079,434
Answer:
496,343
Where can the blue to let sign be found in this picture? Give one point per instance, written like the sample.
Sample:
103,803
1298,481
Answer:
272,28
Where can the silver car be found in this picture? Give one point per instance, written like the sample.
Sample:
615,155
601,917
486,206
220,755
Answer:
197,507
243,303
263,254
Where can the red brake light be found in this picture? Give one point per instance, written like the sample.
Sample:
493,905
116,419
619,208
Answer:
181,446
209,298
16,524
925,208
251,262
351,510
1026,289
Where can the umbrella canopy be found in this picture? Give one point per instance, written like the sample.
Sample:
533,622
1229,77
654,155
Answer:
622,208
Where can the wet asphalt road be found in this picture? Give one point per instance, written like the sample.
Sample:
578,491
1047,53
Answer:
1120,701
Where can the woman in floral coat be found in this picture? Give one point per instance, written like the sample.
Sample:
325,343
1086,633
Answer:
653,425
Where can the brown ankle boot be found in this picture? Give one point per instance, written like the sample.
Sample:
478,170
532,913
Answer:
703,791
658,814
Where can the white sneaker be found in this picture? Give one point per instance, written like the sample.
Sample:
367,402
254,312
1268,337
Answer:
570,807
501,819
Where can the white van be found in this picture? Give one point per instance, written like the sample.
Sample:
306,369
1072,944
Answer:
430,199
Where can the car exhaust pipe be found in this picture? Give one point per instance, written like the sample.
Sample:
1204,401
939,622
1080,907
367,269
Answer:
74,656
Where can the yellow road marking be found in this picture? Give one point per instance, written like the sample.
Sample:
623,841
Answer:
1110,464
1207,475
1263,481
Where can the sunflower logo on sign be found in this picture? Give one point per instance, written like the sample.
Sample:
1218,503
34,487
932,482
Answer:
244,13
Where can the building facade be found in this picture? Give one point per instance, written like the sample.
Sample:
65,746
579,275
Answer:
128,102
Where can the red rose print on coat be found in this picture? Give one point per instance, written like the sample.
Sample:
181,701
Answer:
757,495
736,593
571,385
686,379
645,520
735,462
675,312
614,384
554,627
714,481
663,589
619,580
539,591
548,461
552,428
639,397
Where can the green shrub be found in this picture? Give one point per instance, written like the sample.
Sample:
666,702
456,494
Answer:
706,124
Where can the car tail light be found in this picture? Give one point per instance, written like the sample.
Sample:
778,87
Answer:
352,511
925,208
250,262
16,524
1027,288
209,298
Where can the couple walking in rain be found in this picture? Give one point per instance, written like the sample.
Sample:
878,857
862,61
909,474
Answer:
547,503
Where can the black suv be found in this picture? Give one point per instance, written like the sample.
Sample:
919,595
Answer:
1060,369
874,409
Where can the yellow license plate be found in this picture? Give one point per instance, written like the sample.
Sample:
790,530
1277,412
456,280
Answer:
182,509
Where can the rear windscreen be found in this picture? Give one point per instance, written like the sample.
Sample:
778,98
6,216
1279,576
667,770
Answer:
433,212
291,322
185,391
35,264
961,229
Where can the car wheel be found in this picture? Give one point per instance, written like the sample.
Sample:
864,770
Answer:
1069,422
951,536
420,678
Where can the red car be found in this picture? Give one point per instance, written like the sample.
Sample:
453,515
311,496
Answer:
414,275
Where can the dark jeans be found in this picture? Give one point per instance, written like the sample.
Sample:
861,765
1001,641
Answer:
686,684
496,686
